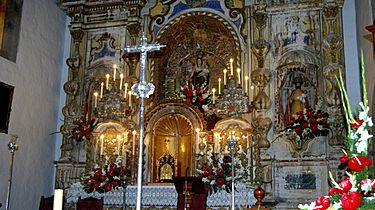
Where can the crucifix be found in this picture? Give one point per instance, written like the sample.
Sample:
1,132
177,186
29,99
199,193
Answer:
142,90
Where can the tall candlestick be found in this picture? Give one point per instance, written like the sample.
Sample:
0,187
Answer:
101,89
133,153
121,78
246,83
231,66
197,141
58,199
118,145
101,144
107,81
213,95
239,75
130,98
225,76
252,92
219,86
126,90
114,72
96,99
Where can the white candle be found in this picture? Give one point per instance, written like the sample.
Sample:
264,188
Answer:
58,199
101,89
252,92
134,133
126,90
219,86
121,78
101,144
246,83
213,95
216,142
114,72
225,76
130,98
96,99
107,81
118,145
197,140
231,66
239,75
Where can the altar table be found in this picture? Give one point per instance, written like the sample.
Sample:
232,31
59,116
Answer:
161,197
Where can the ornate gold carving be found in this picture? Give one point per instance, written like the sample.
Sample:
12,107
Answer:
77,35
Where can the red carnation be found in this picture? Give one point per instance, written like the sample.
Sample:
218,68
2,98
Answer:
314,128
298,130
189,92
108,187
210,177
220,181
305,124
344,159
97,174
220,171
88,189
292,121
200,99
96,185
188,100
103,178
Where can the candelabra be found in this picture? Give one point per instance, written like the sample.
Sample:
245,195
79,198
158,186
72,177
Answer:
232,143
233,100
13,147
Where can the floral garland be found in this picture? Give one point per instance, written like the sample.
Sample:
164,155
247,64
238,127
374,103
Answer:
197,95
111,176
349,193
309,123
82,128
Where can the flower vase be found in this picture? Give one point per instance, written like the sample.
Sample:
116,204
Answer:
299,144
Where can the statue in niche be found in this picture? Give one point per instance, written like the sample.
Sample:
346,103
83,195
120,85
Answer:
297,100
201,74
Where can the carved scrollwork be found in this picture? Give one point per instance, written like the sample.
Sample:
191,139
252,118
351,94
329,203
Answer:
260,49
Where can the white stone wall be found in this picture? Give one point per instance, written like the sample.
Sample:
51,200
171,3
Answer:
36,76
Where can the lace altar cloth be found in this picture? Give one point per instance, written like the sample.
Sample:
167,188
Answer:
161,196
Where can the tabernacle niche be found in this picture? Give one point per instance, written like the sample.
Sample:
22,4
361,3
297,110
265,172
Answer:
6,96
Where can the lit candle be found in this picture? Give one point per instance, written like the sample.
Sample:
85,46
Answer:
130,98
126,90
58,199
213,95
246,83
134,133
225,76
107,81
101,144
96,99
231,66
239,75
197,137
114,72
216,141
121,78
118,144
219,86
101,89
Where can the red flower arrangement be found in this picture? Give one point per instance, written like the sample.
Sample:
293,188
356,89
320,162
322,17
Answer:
217,176
83,128
198,95
111,176
354,191
309,123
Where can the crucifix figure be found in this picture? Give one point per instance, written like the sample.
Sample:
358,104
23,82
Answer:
142,90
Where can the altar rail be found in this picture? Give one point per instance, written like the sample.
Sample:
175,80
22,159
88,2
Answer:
160,197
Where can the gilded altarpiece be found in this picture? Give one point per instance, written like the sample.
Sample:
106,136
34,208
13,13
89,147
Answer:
283,49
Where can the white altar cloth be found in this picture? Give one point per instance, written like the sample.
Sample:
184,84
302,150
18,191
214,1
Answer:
161,196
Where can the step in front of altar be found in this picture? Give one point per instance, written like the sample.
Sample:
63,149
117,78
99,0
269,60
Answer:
164,196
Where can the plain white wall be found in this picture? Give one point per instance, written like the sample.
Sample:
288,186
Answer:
36,76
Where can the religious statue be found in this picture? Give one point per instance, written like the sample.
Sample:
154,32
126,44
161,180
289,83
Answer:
296,101
201,72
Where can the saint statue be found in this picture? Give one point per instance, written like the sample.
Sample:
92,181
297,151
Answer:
201,72
296,101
